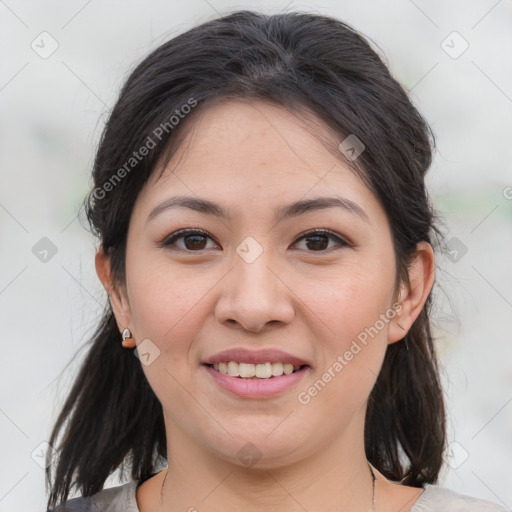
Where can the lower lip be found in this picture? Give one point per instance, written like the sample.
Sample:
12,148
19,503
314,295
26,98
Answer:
256,388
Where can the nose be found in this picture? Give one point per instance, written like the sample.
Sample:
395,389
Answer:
254,296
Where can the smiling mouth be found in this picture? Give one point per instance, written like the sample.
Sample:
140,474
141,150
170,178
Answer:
248,371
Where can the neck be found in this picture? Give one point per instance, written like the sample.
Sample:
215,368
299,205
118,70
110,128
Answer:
337,477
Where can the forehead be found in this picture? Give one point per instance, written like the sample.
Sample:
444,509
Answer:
256,152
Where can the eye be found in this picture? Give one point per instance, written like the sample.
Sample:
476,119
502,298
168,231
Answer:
194,240
318,240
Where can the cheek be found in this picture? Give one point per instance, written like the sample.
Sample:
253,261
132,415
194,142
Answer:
351,335
352,342
351,300
167,303
169,307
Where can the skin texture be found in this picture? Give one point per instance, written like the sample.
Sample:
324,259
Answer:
303,297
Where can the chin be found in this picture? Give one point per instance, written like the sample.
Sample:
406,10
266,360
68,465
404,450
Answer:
261,450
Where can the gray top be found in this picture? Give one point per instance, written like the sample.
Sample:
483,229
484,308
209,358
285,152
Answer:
432,499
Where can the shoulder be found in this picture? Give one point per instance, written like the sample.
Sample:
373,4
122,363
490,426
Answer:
440,499
115,499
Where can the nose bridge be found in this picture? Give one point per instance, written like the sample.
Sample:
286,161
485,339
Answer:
252,264
252,294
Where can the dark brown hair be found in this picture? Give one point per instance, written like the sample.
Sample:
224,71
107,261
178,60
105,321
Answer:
304,62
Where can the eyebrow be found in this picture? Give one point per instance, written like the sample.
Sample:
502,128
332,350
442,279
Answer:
286,212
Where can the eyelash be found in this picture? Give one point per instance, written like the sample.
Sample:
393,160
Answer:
168,241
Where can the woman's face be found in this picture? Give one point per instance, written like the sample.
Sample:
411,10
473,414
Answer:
257,279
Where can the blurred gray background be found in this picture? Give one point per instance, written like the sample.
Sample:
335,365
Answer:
61,68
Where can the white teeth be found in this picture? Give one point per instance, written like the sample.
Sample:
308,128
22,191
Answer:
288,368
264,371
260,370
232,369
245,369
277,369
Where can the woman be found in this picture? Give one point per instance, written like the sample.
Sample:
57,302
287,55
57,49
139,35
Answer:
266,245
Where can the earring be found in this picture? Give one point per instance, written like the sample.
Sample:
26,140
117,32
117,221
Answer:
127,334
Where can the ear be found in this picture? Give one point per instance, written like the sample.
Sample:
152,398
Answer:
413,295
117,296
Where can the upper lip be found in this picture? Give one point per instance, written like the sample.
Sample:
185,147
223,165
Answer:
243,355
